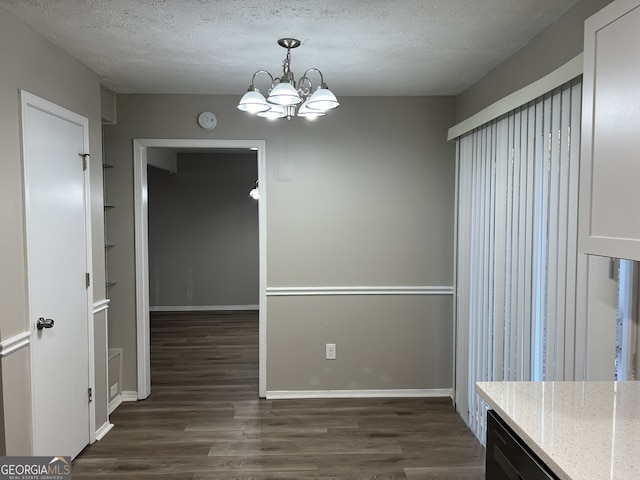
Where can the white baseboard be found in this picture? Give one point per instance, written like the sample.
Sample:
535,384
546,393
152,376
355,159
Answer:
103,430
398,393
200,308
115,403
129,396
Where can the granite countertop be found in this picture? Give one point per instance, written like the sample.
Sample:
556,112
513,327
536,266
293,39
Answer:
581,430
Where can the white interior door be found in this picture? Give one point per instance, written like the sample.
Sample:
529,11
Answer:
57,259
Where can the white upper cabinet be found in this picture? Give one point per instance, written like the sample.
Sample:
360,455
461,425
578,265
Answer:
609,218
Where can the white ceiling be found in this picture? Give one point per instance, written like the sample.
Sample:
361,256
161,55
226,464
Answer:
363,47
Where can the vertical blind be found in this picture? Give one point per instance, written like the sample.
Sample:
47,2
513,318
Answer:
517,202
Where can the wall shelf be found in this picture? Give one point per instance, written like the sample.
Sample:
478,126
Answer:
107,245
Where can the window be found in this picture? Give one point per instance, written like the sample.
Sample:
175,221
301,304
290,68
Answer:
516,249
627,321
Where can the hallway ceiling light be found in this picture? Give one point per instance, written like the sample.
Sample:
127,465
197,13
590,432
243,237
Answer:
255,193
285,94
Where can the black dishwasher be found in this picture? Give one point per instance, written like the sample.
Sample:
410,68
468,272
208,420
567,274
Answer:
508,458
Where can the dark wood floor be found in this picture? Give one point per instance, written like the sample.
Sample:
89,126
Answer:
204,421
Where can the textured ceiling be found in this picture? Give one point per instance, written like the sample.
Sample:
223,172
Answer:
363,47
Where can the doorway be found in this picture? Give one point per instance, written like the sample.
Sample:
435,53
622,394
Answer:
203,231
140,147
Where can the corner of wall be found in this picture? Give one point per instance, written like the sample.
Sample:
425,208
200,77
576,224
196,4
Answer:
108,106
553,47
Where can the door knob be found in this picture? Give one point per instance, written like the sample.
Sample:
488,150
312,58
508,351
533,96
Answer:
44,323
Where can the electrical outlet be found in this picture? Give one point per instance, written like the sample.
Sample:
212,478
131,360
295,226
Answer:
330,351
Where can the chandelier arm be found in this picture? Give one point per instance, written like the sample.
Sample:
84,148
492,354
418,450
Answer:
253,79
319,73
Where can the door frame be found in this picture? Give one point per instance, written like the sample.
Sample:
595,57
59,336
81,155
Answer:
141,240
29,100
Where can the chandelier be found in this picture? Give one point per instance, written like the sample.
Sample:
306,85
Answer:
286,98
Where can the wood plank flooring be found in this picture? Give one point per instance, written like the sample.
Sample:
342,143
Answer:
204,421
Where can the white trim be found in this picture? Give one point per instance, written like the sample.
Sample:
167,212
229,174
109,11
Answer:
103,430
130,396
142,269
201,308
315,291
15,343
101,306
455,321
559,76
391,393
116,402
30,100
142,248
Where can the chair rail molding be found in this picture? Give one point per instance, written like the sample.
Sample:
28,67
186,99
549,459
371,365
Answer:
14,343
360,290
101,306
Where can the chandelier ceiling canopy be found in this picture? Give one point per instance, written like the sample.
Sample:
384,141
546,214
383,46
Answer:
286,97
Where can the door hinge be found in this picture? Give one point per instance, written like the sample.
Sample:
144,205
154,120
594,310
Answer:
90,392
84,160
88,280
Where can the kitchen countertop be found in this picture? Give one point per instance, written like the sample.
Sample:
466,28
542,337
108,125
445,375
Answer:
581,430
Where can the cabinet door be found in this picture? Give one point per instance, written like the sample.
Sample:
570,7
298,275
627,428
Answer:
610,157
508,457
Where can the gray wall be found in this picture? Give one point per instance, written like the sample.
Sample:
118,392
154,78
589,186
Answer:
31,63
363,197
383,342
203,232
552,48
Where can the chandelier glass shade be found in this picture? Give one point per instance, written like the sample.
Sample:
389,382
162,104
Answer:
253,102
286,97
